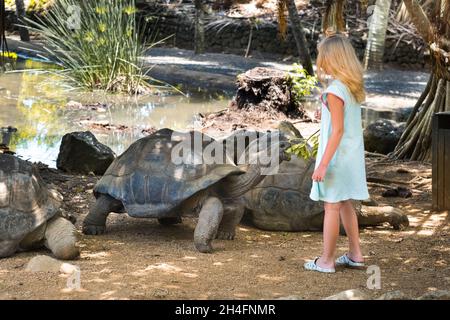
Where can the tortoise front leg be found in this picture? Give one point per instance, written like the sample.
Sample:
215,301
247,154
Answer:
208,223
95,221
8,248
61,238
231,217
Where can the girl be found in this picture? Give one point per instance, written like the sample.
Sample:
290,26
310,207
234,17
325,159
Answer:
339,174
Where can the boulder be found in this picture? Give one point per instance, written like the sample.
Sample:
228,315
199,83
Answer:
436,295
393,295
82,153
352,294
383,135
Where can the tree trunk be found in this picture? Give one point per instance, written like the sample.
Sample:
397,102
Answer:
3,44
20,11
299,36
419,18
199,37
334,16
415,143
373,58
402,14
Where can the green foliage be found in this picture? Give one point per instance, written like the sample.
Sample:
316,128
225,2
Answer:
38,5
31,5
306,149
301,82
100,47
7,61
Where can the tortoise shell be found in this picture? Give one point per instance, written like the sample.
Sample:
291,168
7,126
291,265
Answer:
25,201
280,202
149,183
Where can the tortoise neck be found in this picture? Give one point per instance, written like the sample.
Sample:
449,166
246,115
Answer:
237,185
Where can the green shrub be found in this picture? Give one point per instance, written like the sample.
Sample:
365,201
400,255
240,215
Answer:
301,82
302,85
31,5
99,48
306,149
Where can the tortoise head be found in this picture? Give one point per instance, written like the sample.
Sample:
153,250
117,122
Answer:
288,130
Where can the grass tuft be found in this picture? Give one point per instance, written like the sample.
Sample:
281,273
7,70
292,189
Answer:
97,43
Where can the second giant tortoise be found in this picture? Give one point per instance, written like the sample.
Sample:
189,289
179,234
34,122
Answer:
281,202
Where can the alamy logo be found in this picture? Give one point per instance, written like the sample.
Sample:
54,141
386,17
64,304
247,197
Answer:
370,13
196,148
74,279
374,280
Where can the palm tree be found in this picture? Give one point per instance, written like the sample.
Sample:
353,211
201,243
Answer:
334,15
415,143
402,15
297,31
373,58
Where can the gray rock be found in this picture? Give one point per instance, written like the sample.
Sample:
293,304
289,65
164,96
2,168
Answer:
352,294
47,264
436,295
6,134
383,135
394,295
81,152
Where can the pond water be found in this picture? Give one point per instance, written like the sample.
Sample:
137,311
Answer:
35,102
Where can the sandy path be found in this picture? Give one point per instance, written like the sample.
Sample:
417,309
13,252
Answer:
139,259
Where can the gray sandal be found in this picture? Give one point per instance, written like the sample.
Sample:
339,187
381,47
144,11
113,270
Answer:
345,261
312,266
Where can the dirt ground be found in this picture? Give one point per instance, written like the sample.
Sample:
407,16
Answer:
140,259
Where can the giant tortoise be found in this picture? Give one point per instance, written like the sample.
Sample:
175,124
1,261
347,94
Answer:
281,202
146,182
30,212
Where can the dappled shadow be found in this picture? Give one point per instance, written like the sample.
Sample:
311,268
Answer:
217,63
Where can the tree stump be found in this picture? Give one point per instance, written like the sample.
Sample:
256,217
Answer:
268,90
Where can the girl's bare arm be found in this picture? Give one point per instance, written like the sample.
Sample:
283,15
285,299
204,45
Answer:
336,107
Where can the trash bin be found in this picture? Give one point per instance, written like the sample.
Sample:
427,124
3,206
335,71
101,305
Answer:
441,161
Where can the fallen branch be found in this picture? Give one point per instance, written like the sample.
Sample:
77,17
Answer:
384,180
384,186
375,155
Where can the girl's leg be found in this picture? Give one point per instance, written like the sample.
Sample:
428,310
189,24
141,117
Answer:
350,223
330,235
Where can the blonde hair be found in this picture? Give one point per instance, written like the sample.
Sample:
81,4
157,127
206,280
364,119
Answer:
338,59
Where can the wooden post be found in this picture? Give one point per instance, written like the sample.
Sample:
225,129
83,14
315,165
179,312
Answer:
441,161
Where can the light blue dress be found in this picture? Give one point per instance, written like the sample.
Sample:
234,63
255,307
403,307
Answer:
346,175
